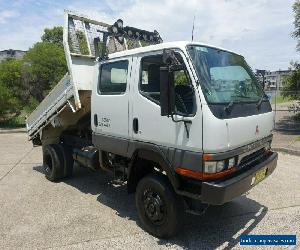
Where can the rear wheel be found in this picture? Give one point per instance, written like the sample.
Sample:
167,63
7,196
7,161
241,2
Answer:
53,162
159,208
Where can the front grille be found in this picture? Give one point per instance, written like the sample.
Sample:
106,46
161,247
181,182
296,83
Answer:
252,158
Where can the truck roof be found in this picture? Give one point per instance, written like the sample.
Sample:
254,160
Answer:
166,45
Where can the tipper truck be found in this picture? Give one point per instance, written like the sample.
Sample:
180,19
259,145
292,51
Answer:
183,124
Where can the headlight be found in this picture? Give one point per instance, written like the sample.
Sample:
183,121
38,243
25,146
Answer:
214,166
231,162
210,167
219,166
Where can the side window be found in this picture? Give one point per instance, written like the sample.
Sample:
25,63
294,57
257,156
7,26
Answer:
150,84
113,78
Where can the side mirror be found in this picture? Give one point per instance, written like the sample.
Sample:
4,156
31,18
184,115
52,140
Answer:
167,91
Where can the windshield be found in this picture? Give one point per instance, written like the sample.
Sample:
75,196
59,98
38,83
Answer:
224,77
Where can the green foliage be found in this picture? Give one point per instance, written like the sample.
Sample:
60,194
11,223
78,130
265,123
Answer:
82,43
54,35
291,84
24,83
11,89
297,119
296,33
180,78
13,122
71,48
45,64
283,98
7,100
31,105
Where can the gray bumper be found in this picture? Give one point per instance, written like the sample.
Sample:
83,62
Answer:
222,192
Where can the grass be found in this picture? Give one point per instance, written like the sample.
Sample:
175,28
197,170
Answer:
14,122
281,99
298,138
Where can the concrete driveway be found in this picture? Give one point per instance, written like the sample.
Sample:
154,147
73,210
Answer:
86,212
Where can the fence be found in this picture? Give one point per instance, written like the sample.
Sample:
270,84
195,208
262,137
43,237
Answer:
286,108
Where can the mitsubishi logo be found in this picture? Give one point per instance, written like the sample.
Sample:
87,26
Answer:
257,130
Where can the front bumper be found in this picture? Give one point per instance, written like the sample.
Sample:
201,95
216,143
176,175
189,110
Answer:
218,193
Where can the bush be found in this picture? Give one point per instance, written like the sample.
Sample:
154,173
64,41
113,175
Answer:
12,96
13,122
24,83
45,65
291,85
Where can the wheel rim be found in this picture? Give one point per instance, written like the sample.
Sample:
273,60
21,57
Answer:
154,207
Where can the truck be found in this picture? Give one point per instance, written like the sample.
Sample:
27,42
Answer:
183,124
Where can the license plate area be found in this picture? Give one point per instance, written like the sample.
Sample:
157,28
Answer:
259,176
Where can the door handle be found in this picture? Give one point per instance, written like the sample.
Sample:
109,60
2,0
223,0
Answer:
135,125
95,120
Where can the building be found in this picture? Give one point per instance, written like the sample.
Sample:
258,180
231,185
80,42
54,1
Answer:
11,54
273,80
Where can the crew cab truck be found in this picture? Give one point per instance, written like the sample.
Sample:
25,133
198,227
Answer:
182,123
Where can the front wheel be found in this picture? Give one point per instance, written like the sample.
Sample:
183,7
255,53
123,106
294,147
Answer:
159,208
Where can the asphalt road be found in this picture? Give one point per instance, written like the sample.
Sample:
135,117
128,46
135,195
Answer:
87,212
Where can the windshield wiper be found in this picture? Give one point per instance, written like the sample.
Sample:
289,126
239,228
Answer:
242,96
228,107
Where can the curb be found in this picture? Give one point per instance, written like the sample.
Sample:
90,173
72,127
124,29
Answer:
287,150
13,131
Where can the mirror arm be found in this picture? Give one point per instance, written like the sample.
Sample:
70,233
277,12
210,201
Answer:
186,129
185,124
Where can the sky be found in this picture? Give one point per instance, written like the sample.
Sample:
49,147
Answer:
260,30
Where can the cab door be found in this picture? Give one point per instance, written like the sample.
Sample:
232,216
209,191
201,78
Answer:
110,106
147,124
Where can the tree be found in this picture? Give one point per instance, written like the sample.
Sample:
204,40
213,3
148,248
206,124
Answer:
291,85
24,83
296,33
8,102
54,35
45,65
12,95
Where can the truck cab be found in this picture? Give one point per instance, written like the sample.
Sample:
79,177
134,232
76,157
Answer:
214,142
185,125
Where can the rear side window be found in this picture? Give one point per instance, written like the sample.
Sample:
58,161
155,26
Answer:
113,78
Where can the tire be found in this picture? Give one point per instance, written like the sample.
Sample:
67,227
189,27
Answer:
160,209
68,160
53,162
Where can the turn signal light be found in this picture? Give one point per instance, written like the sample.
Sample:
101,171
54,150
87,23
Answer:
204,176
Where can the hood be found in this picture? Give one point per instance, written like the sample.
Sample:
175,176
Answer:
221,135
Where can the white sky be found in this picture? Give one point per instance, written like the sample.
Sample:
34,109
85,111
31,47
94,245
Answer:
258,29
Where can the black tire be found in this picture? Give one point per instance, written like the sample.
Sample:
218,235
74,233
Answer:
53,162
68,160
160,209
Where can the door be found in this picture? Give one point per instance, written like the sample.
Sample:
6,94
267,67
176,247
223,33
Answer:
110,106
147,124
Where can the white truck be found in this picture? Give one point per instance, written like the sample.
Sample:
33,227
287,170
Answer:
184,124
